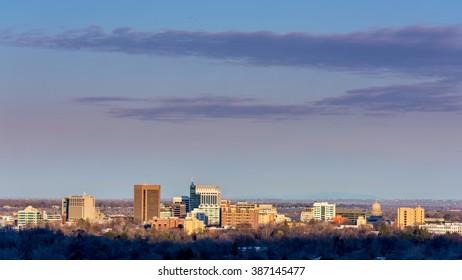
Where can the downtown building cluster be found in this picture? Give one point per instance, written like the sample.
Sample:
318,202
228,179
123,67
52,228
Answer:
204,207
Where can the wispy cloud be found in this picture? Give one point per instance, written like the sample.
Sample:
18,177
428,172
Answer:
440,96
398,99
194,108
419,50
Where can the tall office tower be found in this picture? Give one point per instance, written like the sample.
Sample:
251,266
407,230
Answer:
210,197
146,203
410,216
76,207
323,211
194,198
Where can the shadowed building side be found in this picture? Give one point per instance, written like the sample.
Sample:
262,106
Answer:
146,203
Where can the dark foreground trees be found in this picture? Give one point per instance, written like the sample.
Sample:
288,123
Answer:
313,242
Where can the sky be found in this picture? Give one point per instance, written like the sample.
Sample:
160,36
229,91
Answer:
266,99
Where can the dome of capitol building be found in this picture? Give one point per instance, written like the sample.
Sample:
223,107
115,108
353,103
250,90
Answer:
376,209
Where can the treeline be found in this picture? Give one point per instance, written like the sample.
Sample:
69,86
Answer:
319,242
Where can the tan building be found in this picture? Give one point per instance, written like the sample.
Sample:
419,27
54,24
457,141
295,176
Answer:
146,203
189,225
307,215
192,225
266,214
76,207
242,213
410,216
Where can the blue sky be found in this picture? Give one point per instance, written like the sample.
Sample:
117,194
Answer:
264,99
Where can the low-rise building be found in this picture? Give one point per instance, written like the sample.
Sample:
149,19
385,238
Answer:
266,214
443,228
307,215
351,215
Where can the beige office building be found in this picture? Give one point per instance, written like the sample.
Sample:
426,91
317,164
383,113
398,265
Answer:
266,214
410,216
76,207
146,203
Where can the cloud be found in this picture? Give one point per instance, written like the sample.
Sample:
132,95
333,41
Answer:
440,96
427,51
417,50
194,108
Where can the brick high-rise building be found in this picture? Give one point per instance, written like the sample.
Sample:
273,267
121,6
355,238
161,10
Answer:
146,203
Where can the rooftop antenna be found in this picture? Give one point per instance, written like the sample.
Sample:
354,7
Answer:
192,179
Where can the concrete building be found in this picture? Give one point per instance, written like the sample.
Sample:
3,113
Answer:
165,212
323,211
146,203
361,221
76,207
443,228
281,218
241,214
51,218
210,197
307,215
351,215
29,216
266,214
410,216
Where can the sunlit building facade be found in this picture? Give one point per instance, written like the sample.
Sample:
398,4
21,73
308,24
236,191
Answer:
410,216
146,203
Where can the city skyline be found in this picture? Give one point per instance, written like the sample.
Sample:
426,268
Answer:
271,101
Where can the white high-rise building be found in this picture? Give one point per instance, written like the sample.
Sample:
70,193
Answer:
323,211
210,197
